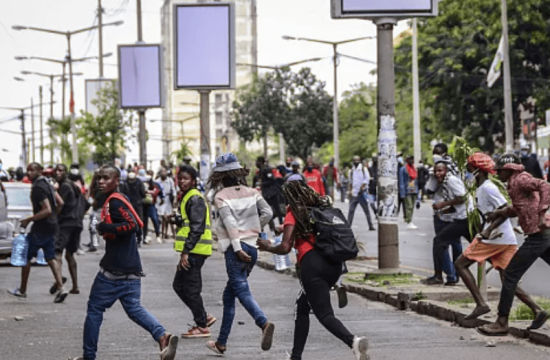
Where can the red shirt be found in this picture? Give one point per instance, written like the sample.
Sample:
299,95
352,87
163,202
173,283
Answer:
302,246
315,181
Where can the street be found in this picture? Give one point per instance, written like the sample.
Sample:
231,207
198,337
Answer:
54,331
415,248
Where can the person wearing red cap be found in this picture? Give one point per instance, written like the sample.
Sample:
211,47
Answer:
496,242
530,202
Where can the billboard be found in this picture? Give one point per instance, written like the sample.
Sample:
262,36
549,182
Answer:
204,51
93,86
388,8
139,74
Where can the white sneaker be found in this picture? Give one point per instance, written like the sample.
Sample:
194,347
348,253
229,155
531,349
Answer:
360,347
159,239
412,226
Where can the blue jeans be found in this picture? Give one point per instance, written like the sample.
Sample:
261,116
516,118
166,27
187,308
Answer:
150,212
359,199
103,295
237,287
444,262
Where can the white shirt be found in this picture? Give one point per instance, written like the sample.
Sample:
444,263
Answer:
489,199
358,176
456,189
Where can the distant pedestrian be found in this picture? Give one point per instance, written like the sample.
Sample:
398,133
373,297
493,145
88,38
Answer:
317,274
408,189
194,242
153,195
243,213
314,178
134,189
344,183
46,204
358,185
530,164
330,173
119,277
530,202
165,206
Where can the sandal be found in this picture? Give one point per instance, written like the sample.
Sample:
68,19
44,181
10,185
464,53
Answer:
215,347
539,320
484,330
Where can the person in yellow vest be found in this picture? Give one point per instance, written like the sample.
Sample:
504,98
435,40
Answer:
194,242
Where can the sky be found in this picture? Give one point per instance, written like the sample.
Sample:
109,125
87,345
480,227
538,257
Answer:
304,18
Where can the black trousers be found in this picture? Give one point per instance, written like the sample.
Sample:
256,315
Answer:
535,246
188,285
317,276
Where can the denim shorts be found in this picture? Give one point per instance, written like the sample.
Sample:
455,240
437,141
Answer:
44,242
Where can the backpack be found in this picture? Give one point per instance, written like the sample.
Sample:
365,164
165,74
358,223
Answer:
82,205
334,238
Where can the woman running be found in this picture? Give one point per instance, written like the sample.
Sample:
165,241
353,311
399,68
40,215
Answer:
317,275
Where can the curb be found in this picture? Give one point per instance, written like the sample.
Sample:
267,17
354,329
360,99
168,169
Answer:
435,309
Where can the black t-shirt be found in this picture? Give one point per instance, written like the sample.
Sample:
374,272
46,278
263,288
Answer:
69,213
43,190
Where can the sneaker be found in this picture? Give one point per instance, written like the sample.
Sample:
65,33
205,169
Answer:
210,320
434,280
16,293
360,347
158,239
412,226
168,347
267,335
146,241
92,249
60,295
342,296
80,252
196,332
53,288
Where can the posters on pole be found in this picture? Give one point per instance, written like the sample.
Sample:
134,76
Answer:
204,55
139,74
388,195
93,87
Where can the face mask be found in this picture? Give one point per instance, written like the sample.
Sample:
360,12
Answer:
309,168
331,163
524,153
132,176
74,171
400,159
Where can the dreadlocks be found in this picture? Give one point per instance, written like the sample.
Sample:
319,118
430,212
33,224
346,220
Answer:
219,180
301,198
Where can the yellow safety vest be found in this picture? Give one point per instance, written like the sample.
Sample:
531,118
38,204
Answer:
204,246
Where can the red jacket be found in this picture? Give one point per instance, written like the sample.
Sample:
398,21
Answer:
315,181
334,174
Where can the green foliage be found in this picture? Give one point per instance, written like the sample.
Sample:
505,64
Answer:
182,152
456,49
523,312
106,133
294,104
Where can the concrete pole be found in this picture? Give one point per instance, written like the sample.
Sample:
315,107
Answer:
388,191
52,140
416,98
205,135
139,23
41,128
100,34
142,126
74,147
23,142
31,151
509,119
336,126
63,84
282,154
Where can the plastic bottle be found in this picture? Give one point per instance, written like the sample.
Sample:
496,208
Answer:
20,248
282,262
40,259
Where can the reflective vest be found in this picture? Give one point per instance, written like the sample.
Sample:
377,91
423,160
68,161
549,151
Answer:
204,245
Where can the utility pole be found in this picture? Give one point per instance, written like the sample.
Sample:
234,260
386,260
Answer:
142,128
416,98
41,128
336,126
509,119
100,35
32,149
52,140
74,147
205,134
388,190
24,141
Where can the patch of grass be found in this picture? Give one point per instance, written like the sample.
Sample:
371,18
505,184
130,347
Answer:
523,312
379,279
461,302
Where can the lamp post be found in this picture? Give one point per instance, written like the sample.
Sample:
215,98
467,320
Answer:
336,126
68,35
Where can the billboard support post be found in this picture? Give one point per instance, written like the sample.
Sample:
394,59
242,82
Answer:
205,135
142,139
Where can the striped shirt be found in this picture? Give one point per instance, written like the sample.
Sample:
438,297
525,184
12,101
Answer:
243,213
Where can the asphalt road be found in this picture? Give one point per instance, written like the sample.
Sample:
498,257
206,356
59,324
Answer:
54,331
415,248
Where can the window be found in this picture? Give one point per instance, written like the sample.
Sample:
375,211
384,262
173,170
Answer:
218,99
219,118
219,134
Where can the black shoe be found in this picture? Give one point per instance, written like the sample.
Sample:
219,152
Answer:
372,228
53,289
451,283
434,280
342,296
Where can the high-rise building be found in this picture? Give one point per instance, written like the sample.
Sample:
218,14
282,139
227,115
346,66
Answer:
181,122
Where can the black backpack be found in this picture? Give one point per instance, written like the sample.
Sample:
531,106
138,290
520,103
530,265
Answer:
82,205
334,238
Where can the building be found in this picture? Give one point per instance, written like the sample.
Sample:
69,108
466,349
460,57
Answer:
181,112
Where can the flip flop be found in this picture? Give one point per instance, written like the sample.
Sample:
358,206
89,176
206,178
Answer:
483,331
214,347
539,321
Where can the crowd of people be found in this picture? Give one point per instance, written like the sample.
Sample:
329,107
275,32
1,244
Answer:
226,210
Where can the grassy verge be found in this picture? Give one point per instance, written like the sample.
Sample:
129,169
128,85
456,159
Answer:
463,303
522,312
381,280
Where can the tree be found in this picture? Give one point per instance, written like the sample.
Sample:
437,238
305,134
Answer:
294,104
108,132
182,152
456,49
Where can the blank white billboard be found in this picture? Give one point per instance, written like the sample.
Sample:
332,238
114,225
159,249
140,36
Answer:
93,86
139,76
204,55
383,8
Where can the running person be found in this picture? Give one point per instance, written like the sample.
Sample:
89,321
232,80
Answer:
317,275
499,248
243,213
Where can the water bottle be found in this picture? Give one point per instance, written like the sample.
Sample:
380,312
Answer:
281,261
20,249
40,259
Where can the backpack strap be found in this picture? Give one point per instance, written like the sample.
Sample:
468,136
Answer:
106,216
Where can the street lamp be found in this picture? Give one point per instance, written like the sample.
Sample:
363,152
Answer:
68,35
334,45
